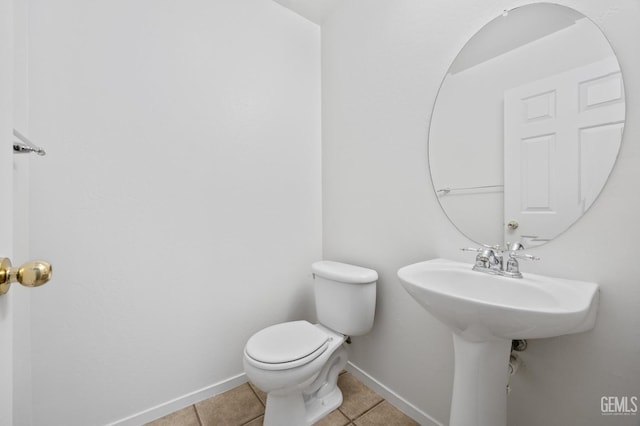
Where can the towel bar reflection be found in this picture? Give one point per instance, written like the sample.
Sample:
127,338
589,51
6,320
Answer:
24,146
445,191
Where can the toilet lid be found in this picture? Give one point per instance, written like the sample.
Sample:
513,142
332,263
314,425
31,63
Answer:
286,342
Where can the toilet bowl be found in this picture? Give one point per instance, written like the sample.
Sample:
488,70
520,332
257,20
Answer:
303,381
297,363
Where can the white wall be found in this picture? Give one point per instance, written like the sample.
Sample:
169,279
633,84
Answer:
382,65
180,198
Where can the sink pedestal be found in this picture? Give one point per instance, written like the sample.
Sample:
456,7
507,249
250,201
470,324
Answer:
480,382
486,311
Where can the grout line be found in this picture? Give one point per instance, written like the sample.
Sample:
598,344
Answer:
197,415
244,424
259,400
368,410
257,396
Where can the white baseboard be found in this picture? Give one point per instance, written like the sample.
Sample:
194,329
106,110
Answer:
396,400
179,403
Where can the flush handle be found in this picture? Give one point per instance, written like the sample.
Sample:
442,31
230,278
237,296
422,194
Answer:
31,274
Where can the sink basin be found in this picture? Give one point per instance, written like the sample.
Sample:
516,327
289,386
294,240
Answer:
485,312
480,306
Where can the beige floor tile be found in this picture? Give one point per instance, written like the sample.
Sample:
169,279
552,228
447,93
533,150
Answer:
262,395
244,406
256,422
335,418
385,414
232,408
185,417
357,397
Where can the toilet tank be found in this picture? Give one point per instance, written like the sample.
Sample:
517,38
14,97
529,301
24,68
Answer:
345,296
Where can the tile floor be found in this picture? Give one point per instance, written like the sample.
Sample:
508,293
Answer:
244,406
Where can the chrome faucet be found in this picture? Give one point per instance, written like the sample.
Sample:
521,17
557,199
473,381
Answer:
490,260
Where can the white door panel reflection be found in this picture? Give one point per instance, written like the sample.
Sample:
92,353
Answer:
561,138
527,125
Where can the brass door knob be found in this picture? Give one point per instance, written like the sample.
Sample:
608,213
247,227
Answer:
31,274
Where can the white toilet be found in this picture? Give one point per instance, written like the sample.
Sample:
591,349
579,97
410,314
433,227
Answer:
297,363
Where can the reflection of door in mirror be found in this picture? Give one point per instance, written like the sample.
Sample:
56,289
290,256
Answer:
562,136
564,110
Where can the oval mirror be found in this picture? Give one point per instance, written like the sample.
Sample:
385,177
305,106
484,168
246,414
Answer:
526,126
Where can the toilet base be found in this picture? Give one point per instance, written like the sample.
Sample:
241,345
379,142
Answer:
307,406
285,410
318,408
291,410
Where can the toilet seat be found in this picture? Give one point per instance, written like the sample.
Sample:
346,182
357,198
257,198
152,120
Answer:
286,345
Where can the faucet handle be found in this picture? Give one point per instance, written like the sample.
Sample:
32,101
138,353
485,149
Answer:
485,252
515,246
525,256
476,249
488,258
483,247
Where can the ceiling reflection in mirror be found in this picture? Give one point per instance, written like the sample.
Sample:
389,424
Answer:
526,126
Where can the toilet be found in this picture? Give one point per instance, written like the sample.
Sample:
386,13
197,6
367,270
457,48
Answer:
297,363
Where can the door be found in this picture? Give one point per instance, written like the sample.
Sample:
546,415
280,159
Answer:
6,206
561,137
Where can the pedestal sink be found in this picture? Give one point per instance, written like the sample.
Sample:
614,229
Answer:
485,312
